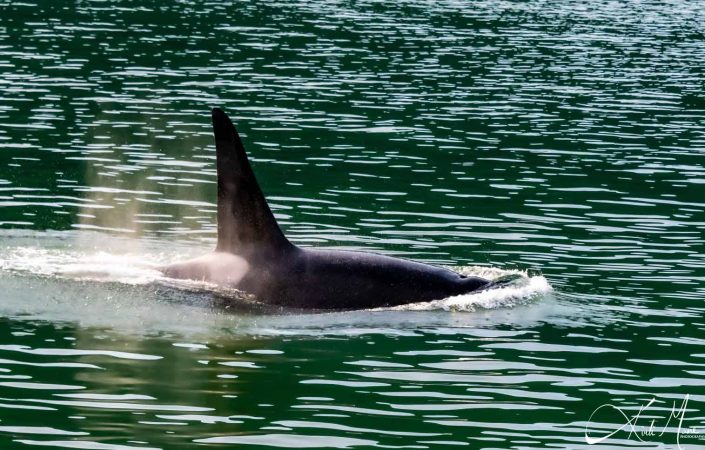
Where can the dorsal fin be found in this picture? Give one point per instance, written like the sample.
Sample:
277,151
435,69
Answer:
246,225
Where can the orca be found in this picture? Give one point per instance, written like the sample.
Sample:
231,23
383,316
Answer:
253,256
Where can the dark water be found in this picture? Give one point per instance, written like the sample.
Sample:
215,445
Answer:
561,138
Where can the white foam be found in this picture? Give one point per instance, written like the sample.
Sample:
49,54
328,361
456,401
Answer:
78,265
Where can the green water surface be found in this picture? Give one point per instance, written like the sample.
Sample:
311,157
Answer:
563,138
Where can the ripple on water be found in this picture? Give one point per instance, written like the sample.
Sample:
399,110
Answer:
555,138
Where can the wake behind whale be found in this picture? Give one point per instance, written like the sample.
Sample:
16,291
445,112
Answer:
253,255
125,271
110,282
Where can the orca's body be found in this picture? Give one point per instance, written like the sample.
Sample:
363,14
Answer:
253,255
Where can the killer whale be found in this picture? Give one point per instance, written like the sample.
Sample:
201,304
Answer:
254,256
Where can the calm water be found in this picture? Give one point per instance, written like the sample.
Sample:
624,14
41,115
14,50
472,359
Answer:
563,139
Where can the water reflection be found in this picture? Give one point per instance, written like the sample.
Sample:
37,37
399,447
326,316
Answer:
423,385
